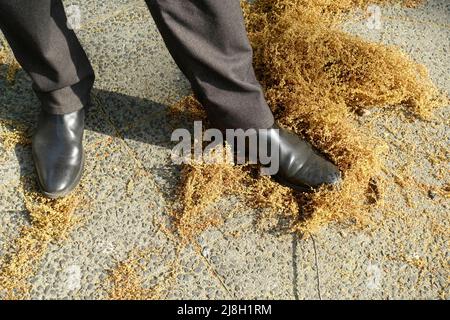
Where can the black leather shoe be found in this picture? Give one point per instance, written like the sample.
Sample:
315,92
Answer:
58,152
301,167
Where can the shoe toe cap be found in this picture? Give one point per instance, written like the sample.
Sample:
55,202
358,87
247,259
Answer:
325,173
57,180
332,176
57,184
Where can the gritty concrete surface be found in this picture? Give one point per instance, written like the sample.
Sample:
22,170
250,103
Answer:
128,140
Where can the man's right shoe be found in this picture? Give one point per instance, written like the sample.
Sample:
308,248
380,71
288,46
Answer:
58,152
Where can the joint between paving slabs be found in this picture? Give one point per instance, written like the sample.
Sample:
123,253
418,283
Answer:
213,270
419,21
316,262
113,14
295,266
142,168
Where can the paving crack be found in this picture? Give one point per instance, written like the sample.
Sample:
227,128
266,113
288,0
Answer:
213,271
141,166
295,265
129,150
104,17
317,267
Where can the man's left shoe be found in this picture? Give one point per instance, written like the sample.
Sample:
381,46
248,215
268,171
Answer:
58,152
301,167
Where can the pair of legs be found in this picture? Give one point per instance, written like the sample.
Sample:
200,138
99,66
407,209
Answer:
207,40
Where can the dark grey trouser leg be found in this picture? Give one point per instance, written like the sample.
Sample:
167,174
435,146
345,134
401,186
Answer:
49,52
208,41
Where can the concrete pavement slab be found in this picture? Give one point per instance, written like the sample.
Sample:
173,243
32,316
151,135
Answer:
129,183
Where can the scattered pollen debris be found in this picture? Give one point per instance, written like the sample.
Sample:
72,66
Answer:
317,79
50,222
319,82
6,58
14,133
125,281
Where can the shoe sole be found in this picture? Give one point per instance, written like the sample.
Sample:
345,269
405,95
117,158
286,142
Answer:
300,188
68,190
